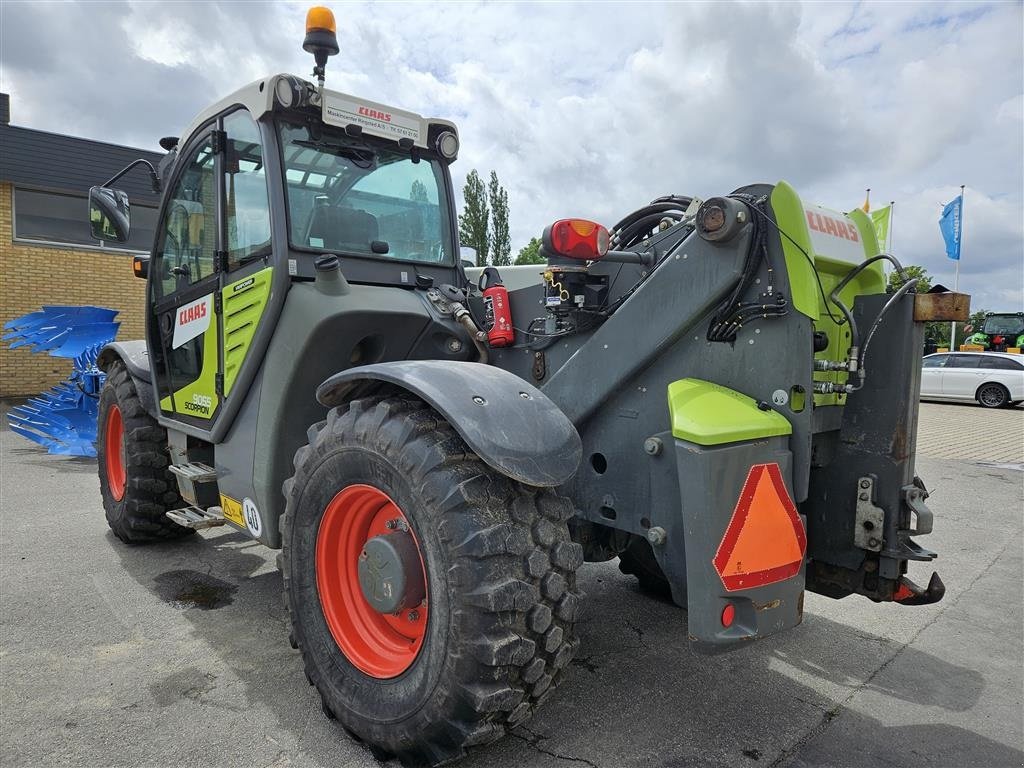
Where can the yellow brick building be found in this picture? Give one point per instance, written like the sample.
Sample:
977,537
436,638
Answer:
46,254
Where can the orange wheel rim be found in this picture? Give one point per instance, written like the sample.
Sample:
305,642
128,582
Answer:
117,475
382,645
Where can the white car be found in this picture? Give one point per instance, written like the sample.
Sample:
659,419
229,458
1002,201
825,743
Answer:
994,379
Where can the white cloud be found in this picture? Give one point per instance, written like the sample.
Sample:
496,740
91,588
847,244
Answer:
595,109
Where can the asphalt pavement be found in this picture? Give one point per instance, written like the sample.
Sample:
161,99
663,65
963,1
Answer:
177,655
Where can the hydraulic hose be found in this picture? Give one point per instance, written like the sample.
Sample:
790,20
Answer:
903,290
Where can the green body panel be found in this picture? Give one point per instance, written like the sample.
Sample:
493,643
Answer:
203,391
789,213
244,302
792,219
709,414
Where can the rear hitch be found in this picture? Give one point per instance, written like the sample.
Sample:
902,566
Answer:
908,593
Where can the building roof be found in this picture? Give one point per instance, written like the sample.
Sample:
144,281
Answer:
69,164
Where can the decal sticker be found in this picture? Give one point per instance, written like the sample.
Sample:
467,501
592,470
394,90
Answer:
199,404
252,517
232,510
242,285
192,320
834,234
380,121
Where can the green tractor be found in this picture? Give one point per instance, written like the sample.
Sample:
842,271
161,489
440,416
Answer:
718,393
999,331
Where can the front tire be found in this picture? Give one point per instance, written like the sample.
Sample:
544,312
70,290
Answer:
135,484
993,395
499,573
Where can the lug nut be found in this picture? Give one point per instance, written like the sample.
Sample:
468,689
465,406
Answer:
413,615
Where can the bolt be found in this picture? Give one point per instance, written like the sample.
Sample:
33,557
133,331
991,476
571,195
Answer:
873,542
653,445
864,497
479,400
657,535
750,342
391,524
413,615
524,395
865,483
454,345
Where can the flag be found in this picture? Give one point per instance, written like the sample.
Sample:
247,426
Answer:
880,219
951,224
867,200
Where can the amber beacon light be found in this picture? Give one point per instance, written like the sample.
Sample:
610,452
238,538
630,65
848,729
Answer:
321,38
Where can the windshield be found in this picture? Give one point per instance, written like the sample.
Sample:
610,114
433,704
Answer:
349,196
1009,325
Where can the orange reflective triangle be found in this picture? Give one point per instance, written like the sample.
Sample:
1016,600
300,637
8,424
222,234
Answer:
765,540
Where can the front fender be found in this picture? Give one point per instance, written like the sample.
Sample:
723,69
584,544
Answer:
510,424
136,359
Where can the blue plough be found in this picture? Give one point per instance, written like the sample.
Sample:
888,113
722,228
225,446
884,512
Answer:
63,420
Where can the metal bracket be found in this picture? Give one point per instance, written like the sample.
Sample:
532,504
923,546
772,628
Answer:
869,529
921,521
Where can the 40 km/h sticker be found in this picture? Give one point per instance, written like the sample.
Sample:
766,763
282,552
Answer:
252,517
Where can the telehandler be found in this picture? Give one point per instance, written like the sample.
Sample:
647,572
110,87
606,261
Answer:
719,393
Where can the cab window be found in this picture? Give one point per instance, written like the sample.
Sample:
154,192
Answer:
361,197
189,236
247,205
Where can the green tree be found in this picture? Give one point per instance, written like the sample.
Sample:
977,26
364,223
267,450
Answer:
924,282
530,253
418,192
474,221
501,243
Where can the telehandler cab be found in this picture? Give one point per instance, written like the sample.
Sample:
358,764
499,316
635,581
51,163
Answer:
718,393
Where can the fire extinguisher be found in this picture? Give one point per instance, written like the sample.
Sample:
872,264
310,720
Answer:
497,314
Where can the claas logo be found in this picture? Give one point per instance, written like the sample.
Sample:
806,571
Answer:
829,226
384,117
195,312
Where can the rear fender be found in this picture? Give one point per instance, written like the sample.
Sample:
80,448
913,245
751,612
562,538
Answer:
135,357
510,424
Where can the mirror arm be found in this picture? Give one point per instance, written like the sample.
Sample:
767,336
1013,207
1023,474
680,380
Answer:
153,178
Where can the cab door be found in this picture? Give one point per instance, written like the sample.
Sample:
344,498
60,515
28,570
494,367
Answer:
184,283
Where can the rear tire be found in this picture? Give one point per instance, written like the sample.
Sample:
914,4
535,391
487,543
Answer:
135,484
993,395
500,575
638,560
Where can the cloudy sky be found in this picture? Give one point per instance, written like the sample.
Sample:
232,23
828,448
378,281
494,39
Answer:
594,109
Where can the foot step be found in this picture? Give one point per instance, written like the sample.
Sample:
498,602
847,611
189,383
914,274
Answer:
197,517
197,483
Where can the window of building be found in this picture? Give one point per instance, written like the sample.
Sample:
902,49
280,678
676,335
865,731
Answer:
52,217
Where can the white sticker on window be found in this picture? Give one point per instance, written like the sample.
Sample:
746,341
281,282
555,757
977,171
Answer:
192,320
316,242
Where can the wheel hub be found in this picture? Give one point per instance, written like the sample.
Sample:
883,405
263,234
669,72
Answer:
371,580
390,573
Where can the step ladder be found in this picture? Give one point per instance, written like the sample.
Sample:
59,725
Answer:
197,517
197,483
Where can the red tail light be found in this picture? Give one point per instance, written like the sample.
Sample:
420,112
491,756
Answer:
576,239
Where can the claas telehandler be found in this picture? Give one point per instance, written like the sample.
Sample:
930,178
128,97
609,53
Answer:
718,392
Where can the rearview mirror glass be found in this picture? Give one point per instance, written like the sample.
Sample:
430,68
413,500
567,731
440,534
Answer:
109,214
467,255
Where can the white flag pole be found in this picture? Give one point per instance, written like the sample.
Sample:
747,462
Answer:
956,274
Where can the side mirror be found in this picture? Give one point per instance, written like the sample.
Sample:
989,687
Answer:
467,255
109,214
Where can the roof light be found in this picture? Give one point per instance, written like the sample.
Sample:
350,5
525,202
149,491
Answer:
447,145
576,239
320,18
